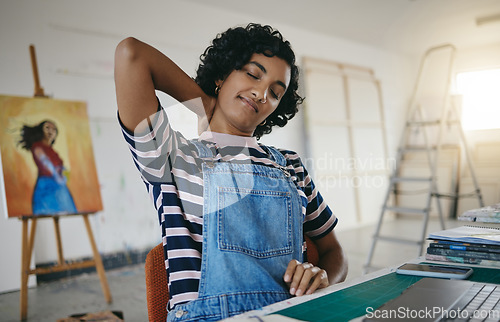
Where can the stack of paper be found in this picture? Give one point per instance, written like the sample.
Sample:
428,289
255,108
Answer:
490,214
467,245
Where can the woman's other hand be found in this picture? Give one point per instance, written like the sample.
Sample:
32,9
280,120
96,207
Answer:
305,278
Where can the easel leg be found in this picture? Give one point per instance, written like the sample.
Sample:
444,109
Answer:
27,250
98,261
24,271
31,240
58,241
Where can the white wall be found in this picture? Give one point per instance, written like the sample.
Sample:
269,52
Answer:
75,42
484,144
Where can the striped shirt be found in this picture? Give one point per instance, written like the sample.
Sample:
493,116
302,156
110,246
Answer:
171,169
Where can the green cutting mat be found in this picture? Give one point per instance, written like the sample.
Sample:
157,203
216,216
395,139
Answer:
353,301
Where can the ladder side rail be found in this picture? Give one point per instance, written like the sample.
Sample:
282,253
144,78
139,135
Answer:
469,161
432,162
445,115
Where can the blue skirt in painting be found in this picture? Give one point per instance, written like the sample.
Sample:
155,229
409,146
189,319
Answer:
51,197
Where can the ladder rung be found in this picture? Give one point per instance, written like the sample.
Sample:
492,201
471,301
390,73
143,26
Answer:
405,210
445,195
431,122
454,195
423,148
417,149
411,179
399,240
420,123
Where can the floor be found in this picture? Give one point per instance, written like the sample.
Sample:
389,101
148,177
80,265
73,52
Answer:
56,300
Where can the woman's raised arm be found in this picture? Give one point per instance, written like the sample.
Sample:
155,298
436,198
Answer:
140,70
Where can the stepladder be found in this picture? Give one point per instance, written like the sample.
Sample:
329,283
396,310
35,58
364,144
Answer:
432,134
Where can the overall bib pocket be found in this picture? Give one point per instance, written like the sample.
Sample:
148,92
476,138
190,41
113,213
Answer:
254,222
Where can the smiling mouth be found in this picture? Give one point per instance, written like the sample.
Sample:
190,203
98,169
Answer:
250,103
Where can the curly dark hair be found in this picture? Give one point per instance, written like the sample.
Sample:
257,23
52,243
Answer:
32,134
232,49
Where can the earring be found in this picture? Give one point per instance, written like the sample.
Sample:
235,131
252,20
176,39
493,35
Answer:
263,123
217,90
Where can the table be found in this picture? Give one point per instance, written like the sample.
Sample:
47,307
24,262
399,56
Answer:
349,300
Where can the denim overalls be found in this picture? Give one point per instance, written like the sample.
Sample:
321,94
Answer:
252,228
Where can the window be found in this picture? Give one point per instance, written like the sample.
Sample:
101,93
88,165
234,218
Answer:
480,92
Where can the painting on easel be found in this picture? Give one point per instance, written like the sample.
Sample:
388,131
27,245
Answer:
47,159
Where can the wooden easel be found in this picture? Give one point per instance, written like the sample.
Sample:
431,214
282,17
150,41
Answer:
28,241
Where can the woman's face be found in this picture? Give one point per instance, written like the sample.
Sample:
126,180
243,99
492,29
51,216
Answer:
49,132
249,95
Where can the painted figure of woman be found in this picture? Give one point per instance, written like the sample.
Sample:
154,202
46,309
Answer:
51,194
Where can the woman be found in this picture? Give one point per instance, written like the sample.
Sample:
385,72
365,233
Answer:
232,211
50,195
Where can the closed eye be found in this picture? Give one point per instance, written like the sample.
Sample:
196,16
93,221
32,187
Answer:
252,75
276,96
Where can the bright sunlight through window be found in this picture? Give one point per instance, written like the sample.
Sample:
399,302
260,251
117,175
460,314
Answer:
480,100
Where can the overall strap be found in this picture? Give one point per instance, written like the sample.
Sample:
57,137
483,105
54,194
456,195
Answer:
203,151
276,154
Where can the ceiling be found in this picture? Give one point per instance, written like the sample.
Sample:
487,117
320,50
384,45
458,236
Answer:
406,26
